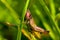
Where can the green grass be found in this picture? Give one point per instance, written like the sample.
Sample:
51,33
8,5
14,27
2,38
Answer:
46,14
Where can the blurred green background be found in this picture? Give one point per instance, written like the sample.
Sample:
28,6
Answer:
46,14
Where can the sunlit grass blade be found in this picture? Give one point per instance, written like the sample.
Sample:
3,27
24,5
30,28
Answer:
26,34
53,23
52,7
22,19
33,37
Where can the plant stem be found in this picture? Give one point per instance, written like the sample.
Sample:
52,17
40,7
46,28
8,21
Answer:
22,20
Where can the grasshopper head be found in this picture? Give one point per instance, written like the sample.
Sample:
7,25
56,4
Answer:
28,15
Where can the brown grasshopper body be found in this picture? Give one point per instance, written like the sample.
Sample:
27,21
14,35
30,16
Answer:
33,25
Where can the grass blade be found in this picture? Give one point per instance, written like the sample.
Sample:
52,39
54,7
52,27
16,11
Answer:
22,20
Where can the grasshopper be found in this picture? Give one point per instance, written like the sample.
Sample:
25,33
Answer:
32,23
